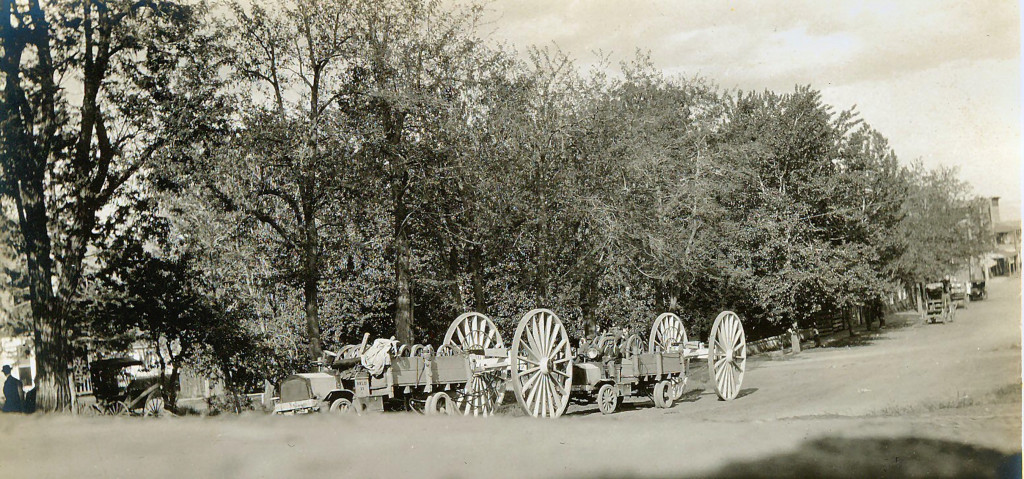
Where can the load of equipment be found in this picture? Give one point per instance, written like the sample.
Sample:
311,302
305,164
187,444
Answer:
469,373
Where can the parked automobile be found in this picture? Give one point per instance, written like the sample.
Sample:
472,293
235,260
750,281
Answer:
978,291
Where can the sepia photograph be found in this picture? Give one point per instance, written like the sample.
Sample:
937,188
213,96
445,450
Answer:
511,239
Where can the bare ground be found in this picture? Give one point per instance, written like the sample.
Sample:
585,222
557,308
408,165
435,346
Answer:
915,400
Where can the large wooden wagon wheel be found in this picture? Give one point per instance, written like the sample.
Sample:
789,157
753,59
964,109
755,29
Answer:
421,350
633,345
448,350
606,344
541,364
667,334
349,351
483,392
117,408
727,355
473,331
154,406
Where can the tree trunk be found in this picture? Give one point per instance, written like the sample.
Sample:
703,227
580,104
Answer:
659,297
588,304
403,267
455,288
25,174
393,125
919,299
311,293
49,337
171,389
476,265
848,318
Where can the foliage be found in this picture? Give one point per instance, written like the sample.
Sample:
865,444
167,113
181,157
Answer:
148,291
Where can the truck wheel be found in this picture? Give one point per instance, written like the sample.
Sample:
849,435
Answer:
440,404
342,406
607,398
663,394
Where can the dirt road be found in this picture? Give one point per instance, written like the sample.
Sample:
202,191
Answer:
914,401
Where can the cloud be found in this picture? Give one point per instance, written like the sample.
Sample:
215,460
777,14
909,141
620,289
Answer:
774,42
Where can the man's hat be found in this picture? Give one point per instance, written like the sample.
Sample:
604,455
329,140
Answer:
7,368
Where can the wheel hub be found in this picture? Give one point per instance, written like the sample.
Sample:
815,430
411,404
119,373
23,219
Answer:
544,366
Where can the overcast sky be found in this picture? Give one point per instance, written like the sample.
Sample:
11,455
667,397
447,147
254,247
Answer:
941,79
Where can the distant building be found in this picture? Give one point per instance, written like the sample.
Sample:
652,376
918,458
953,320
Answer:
1006,253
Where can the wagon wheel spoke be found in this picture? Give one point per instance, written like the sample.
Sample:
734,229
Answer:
550,400
531,338
530,370
561,344
556,387
552,330
738,348
491,337
532,380
546,397
531,399
528,360
545,336
554,397
719,372
560,373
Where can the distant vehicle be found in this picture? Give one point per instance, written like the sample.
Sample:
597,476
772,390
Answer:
938,305
978,291
958,294
117,394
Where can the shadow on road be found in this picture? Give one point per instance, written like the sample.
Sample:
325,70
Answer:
691,395
864,337
861,339
877,457
746,392
882,457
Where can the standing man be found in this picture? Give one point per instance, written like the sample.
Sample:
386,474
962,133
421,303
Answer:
794,332
13,392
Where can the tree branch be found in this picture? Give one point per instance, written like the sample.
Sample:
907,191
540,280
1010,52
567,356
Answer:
292,203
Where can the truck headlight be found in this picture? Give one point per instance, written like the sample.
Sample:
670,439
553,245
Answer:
593,353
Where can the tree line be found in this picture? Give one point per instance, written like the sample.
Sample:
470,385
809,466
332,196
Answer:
247,186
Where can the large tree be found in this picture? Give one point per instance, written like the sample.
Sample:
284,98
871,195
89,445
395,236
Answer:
90,89
410,72
287,163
